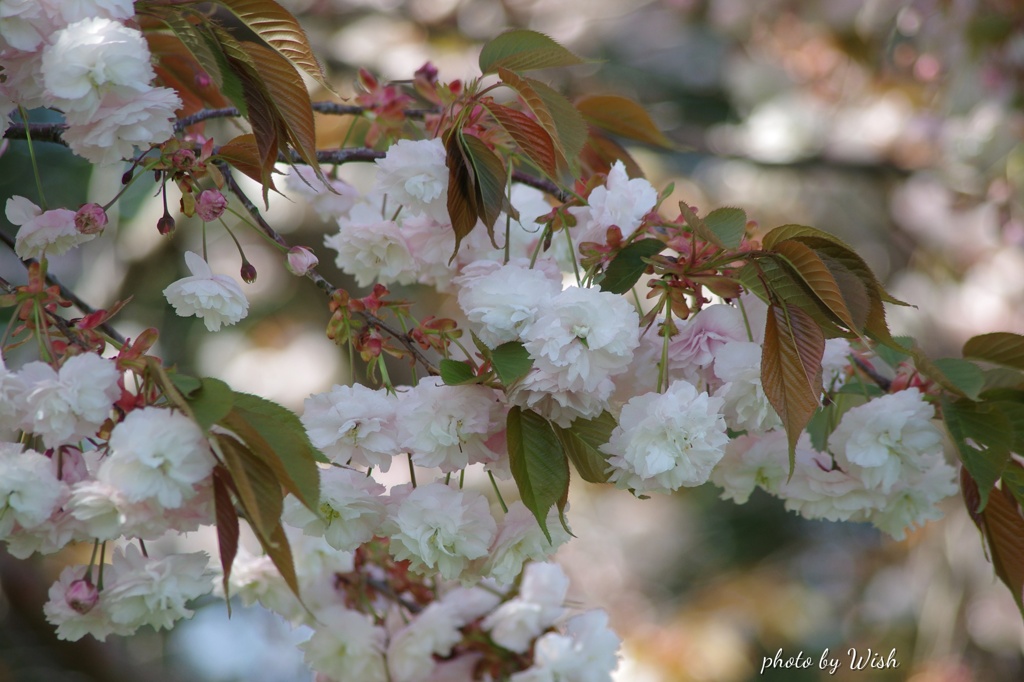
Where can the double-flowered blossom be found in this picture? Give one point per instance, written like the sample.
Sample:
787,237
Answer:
347,646
439,528
504,300
351,509
886,435
579,341
447,426
519,540
29,490
620,202
414,175
91,58
157,453
137,591
372,248
587,652
540,602
667,440
216,299
69,405
353,424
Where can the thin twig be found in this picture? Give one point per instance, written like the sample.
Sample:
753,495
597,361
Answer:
883,383
321,282
67,294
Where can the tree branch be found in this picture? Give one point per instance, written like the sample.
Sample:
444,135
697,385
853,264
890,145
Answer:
318,279
40,132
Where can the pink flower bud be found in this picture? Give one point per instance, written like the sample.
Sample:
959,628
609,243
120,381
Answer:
248,272
90,219
210,205
301,260
203,80
82,596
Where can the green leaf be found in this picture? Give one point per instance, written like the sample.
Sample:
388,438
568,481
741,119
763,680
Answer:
185,384
456,372
211,403
627,267
1013,480
622,116
278,438
1001,348
276,25
511,361
791,369
582,442
983,437
893,357
539,466
728,224
524,50
964,374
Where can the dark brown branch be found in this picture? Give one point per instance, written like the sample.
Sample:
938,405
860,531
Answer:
318,279
40,132
66,293
332,108
539,183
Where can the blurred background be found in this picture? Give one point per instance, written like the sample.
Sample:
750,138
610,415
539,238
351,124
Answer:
896,125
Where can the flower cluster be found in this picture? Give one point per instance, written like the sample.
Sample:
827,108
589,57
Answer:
82,59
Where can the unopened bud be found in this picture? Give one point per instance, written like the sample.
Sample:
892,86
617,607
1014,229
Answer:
248,272
166,224
210,205
183,160
127,177
301,260
90,219
203,80
82,596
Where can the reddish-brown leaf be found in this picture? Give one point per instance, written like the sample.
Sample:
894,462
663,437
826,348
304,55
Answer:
536,104
259,491
817,277
291,102
1003,528
490,176
227,525
791,368
243,153
601,152
462,207
274,24
532,139
621,116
